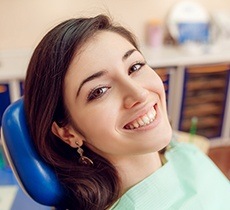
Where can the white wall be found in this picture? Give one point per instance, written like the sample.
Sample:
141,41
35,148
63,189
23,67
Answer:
24,22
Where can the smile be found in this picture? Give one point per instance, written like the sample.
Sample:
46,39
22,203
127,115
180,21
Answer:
142,121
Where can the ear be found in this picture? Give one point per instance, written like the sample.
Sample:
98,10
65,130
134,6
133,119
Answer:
67,134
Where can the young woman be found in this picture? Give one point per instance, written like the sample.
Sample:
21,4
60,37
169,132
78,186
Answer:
97,114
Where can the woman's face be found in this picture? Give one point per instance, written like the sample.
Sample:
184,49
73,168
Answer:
116,101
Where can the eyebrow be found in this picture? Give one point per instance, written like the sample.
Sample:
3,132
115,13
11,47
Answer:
102,73
128,53
90,78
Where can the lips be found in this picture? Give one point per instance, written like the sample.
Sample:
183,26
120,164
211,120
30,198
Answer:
142,121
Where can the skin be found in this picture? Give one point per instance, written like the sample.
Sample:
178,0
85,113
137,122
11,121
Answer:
122,89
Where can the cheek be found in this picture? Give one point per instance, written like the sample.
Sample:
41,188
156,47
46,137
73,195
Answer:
101,137
153,82
94,121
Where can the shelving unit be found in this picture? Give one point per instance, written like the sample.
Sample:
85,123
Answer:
204,97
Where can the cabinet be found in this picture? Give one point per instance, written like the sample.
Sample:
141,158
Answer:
204,98
201,92
7,95
4,98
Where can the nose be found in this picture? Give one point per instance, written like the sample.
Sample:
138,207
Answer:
134,94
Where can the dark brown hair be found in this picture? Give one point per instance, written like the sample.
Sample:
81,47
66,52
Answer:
96,187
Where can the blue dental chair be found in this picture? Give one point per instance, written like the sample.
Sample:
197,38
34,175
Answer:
35,177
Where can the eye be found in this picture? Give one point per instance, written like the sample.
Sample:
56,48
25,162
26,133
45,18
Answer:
136,67
97,93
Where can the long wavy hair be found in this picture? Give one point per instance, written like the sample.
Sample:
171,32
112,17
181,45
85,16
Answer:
96,187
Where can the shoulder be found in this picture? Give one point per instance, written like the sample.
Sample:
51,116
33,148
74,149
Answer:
189,152
189,156
197,173
190,163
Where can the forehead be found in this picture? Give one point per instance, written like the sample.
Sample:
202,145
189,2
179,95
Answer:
103,42
103,47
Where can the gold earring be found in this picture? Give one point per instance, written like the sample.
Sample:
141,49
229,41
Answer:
83,160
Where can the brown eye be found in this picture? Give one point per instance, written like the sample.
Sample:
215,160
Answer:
97,93
136,67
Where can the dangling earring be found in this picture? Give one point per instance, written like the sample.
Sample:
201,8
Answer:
83,160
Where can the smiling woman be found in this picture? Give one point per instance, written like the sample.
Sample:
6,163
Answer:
97,114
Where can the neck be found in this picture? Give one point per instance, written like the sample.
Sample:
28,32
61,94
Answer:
134,169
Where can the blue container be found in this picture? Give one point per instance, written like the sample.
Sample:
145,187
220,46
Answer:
193,32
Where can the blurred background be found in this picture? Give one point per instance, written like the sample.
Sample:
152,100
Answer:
186,41
24,22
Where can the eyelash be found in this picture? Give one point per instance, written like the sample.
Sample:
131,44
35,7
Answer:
140,64
93,95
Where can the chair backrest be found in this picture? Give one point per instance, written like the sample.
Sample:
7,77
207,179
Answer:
33,174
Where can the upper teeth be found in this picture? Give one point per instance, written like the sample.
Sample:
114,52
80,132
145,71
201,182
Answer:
142,121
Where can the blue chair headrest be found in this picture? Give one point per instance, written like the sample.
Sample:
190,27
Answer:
34,175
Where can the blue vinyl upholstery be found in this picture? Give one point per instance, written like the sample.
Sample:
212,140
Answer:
35,177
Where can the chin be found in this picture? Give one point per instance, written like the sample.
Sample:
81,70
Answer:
165,138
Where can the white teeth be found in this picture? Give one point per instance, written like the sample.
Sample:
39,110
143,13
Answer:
152,115
131,126
135,124
142,121
146,119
